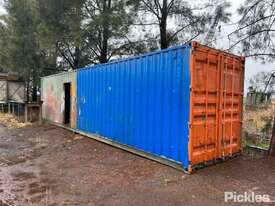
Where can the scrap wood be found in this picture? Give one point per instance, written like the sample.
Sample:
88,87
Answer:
10,121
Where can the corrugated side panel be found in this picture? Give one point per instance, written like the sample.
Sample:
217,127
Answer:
52,89
216,104
141,102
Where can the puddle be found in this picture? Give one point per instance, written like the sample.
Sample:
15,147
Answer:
14,184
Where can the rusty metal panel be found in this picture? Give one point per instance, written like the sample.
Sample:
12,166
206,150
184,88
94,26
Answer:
216,104
3,91
16,91
52,95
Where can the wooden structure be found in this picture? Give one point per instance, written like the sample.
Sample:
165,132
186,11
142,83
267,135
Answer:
33,112
13,99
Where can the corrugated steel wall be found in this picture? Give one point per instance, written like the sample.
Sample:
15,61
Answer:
141,102
52,88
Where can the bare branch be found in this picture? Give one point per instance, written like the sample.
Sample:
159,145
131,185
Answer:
66,58
151,9
249,35
170,5
181,29
254,22
260,54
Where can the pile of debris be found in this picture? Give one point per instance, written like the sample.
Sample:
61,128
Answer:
10,121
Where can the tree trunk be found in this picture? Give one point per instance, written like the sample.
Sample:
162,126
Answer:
272,142
77,35
105,35
77,58
163,26
163,35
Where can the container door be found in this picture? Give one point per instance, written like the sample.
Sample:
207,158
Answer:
204,103
215,104
231,101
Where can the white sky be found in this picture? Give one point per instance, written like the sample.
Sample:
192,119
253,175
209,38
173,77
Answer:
252,66
1,7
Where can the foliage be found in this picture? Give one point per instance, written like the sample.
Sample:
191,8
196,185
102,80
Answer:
182,21
220,15
108,23
263,81
3,46
255,33
60,32
19,49
39,37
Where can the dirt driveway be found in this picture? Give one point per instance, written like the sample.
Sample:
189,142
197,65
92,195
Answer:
46,165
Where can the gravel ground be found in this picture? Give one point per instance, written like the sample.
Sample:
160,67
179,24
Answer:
46,165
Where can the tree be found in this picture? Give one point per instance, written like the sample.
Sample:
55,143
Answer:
3,46
108,25
60,31
177,19
20,50
220,15
255,33
263,82
83,32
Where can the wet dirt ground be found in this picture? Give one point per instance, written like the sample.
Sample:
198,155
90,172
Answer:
46,165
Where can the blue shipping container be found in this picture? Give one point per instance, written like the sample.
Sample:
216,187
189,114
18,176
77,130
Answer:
141,102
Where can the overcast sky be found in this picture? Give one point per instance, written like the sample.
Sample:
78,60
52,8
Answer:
1,7
252,67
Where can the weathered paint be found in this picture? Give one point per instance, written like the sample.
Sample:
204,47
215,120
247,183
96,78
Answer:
52,88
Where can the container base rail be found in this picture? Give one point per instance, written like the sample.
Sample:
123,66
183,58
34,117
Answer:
215,162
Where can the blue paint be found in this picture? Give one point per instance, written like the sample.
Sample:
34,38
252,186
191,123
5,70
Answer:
142,102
